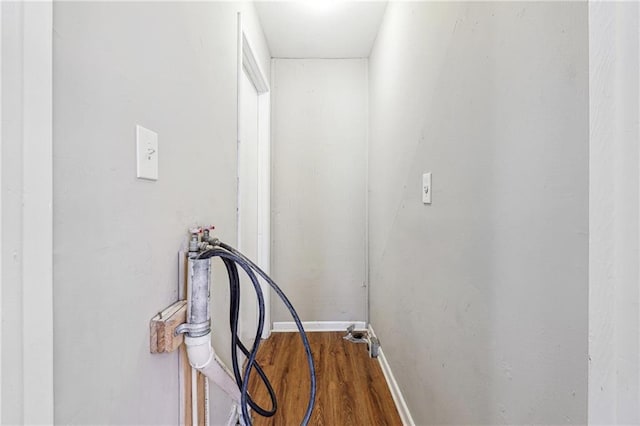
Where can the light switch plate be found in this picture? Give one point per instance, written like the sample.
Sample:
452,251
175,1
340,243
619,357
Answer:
426,188
147,153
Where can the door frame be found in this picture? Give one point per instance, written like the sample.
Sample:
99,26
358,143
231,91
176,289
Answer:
247,62
26,195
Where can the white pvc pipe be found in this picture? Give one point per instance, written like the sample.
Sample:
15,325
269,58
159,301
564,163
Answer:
203,358
194,397
206,403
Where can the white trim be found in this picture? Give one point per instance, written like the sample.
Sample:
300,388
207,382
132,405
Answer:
264,201
1,204
27,72
251,65
37,225
238,126
289,326
396,393
248,63
264,181
636,324
367,268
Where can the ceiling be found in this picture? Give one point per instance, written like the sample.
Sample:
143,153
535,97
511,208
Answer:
320,28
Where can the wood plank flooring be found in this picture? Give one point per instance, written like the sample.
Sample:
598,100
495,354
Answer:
351,389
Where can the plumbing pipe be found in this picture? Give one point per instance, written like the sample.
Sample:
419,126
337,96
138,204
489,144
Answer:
198,285
203,358
197,331
194,397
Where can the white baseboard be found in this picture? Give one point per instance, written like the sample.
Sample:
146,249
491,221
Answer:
318,326
401,404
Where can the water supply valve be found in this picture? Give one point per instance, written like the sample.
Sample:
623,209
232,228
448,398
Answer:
206,234
194,240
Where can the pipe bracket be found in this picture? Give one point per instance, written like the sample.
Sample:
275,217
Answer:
194,330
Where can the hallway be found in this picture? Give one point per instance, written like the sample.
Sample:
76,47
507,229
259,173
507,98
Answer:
461,177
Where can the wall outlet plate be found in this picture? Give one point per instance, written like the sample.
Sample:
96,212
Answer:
146,153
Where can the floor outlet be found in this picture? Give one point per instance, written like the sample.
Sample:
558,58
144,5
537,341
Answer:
357,336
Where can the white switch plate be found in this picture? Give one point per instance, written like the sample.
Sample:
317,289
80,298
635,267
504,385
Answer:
147,153
426,188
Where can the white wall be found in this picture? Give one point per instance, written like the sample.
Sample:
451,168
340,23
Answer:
480,299
319,134
171,67
614,296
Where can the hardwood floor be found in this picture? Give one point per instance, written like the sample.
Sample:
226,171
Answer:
351,389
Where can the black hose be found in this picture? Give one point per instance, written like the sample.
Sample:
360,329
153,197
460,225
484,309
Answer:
231,255
244,392
296,318
234,290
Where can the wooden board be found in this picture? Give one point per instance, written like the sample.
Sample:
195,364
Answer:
186,395
162,328
185,387
202,379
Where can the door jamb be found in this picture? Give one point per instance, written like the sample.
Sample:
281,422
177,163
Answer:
33,343
247,60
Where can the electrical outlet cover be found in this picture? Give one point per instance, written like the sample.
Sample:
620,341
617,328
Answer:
147,153
426,188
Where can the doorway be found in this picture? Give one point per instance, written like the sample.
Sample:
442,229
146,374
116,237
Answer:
253,181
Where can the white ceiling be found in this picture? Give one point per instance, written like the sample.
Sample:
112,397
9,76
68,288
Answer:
320,28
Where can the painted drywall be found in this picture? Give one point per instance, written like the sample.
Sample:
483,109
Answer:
171,67
480,299
614,296
319,133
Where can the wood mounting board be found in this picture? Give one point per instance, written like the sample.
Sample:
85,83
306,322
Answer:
163,326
